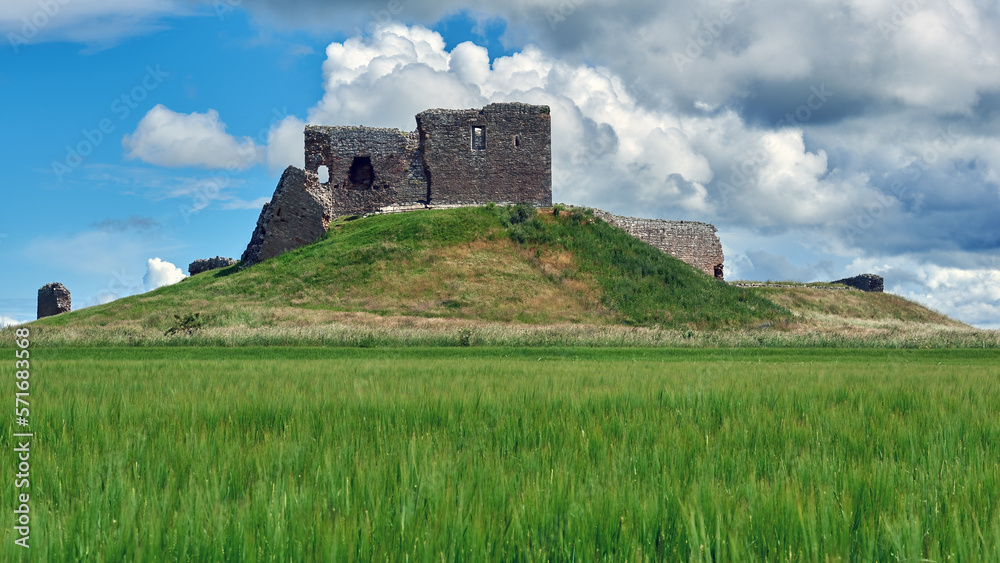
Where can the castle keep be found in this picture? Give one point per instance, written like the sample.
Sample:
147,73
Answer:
501,153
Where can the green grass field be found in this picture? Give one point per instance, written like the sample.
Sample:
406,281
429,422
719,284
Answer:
312,454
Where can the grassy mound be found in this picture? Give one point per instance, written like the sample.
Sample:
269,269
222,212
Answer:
490,263
854,305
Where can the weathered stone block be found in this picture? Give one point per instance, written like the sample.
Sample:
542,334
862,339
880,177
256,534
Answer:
53,299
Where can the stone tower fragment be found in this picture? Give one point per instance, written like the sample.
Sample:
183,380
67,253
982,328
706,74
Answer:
53,299
297,215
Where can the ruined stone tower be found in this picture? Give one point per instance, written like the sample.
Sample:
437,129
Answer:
53,299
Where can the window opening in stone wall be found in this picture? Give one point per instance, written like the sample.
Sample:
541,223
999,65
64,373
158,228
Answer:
361,174
718,271
479,138
517,141
324,174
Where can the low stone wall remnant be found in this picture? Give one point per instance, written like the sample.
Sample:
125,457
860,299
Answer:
690,241
207,264
789,285
865,282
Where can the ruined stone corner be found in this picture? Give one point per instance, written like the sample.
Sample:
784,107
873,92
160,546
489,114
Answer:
53,299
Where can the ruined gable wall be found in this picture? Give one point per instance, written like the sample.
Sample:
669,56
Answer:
296,215
53,299
396,167
514,167
693,242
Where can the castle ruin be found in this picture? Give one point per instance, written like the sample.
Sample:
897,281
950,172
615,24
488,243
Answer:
53,299
501,154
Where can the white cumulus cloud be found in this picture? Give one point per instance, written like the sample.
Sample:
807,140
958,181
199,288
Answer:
167,138
286,144
160,273
609,149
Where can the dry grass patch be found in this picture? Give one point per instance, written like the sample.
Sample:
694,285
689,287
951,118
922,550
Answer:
817,304
493,280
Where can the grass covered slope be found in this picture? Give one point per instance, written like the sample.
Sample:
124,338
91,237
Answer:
864,316
818,304
488,264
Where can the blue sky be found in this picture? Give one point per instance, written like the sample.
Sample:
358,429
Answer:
823,140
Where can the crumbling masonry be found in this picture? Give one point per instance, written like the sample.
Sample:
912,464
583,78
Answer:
500,153
209,264
53,299
693,242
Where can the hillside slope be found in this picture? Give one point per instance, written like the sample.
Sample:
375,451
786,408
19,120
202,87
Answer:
493,276
864,315
488,264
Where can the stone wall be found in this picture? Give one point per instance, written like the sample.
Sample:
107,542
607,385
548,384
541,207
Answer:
53,299
208,264
298,214
791,286
368,167
693,242
501,153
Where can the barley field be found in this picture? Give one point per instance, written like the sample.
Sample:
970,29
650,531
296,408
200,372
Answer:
523,454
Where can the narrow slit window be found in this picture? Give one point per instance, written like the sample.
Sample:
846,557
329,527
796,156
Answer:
479,138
